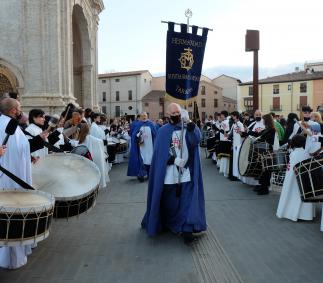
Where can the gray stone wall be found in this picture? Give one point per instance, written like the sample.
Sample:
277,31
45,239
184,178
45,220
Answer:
37,47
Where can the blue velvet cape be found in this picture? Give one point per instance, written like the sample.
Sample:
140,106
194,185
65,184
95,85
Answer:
135,160
196,213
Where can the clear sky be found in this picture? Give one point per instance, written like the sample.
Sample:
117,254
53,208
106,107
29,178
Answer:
131,36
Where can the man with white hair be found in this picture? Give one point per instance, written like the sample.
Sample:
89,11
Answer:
142,147
175,199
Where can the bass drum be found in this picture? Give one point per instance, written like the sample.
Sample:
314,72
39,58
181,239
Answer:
72,179
25,216
249,161
309,176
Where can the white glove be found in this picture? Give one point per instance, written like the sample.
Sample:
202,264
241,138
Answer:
179,162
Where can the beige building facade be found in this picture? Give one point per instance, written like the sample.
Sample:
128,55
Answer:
209,100
228,84
48,52
285,93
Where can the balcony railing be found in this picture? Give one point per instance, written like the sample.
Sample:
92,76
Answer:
276,107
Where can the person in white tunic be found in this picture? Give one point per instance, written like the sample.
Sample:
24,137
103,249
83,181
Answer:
236,129
256,127
224,130
290,205
96,148
36,122
16,159
96,130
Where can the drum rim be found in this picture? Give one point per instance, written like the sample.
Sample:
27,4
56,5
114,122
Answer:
28,209
243,142
27,241
91,163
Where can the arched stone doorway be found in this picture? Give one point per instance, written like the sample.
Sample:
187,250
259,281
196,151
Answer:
10,79
82,67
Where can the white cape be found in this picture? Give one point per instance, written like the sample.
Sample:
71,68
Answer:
17,161
97,131
96,149
290,204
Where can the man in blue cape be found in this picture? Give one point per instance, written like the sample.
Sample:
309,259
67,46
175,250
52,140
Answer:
143,135
175,199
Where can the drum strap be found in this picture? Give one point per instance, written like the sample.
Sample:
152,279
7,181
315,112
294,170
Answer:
46,144
20,182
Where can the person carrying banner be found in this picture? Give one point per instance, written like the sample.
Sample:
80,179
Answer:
142,145
175,198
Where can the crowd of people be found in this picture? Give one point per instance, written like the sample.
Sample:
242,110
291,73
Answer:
166,152
38,134
299,137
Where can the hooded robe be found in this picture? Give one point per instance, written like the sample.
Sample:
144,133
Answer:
136,162
192,219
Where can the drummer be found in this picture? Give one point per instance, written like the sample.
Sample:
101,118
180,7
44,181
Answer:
236,129
290,205
95,130
16,158
225,144
269,135
96,148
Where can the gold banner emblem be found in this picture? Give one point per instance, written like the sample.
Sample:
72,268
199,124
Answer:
186,59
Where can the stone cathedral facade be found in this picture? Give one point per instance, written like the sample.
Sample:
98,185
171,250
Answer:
48,52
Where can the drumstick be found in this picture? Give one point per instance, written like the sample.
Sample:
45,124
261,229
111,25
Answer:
67,110
305,130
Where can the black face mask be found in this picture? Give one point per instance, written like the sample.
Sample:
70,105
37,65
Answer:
306,119
258,119
175,119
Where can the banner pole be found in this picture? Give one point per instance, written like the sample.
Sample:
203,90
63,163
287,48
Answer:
178,24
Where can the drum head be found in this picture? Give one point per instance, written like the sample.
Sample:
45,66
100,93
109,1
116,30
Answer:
12,200
66,176
243,159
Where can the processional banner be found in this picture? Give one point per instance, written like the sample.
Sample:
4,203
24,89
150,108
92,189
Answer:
184,60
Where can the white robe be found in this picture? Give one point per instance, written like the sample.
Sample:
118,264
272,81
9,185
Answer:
224,161
17,161
146,149
237,140
97,131
96,149
35,131
290,205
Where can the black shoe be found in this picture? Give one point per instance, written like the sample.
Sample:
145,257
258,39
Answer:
257,188
188,238
233,179
141,179
263,192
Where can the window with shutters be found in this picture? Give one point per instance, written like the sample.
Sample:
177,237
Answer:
202,90
303,87
275,89
104,96
250,90
276,104
117,96
117,111
215,103
202,102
